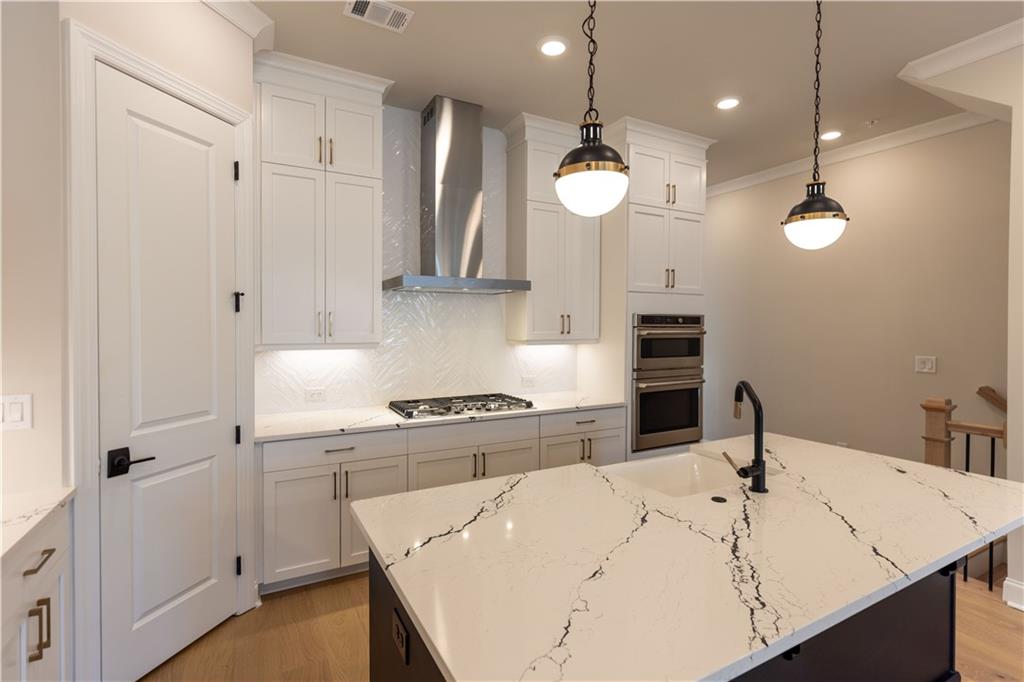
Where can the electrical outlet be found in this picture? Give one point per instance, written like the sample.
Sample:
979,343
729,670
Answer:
17,412
529,380
316,395
925,364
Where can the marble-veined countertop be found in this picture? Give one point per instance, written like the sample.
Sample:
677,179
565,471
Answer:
24,511
288,425
575,573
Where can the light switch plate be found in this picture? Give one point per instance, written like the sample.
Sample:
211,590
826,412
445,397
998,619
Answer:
316,395
17,412
925,364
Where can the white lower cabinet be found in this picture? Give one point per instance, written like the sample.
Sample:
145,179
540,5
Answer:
558,451
507,459
301,522
606,447
361,480
443,467
594,447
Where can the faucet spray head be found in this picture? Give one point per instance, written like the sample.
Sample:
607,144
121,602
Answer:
737,410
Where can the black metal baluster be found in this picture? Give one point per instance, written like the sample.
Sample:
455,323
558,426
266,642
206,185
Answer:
967,468
991,472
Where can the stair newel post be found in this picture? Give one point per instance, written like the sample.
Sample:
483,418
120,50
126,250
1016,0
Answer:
937,437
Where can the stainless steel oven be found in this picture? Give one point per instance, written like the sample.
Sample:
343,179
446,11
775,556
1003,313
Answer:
668,408
668,342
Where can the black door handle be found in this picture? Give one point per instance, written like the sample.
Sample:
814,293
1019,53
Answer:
119,460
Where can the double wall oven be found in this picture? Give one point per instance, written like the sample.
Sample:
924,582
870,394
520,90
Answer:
668,380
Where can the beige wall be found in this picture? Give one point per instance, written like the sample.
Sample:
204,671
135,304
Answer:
187,38
828,338
33,241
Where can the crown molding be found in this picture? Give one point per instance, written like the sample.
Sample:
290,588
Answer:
899,138
966,52
282,68
249,19
532,127
628,124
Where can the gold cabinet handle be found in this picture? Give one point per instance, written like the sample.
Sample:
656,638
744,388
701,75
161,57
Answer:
562,330
673,195
590,449
330,151
666,278
46,553
319,323
474,465
330,324
43,643
346,484
334,475
668,192
483,467
320,149
673,278
569,328
583,450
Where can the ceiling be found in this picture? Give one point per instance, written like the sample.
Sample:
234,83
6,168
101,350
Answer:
666,62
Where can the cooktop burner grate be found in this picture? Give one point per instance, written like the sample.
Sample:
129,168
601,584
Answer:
461,404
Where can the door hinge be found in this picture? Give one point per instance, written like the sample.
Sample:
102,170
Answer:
238,565
236,171
238,300
238,434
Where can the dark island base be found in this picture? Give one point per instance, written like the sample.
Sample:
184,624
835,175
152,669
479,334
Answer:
909,636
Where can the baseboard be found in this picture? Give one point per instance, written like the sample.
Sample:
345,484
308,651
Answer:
270,588
1013,593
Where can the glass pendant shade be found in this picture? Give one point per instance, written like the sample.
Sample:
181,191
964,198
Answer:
817,221
592,178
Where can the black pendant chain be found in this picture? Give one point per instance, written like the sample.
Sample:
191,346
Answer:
589,24
817,90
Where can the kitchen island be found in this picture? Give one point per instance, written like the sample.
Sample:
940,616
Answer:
581,573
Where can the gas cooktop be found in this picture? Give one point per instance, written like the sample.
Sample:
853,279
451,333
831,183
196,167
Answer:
462,404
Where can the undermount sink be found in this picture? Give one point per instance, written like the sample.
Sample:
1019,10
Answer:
679,475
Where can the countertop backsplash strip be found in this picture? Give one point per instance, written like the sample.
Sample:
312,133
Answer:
433,344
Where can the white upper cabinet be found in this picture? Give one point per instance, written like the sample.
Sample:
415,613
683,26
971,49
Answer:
558,251
354,138
689,181
292,255
648,248
321,144
650,176
291,126
353,237
686,253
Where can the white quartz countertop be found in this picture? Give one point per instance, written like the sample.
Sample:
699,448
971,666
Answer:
287,425
24,511
575,573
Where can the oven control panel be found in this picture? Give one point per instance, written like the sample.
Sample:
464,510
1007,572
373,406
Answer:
645,320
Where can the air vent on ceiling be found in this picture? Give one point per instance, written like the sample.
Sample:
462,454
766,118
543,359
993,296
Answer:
380,13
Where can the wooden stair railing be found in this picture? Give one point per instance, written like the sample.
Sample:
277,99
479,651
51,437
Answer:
994,397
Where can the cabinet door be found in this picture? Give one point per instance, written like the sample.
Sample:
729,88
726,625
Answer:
562,450
606,447
353,264
686,253
291,255
582,277
506,459
354,138
650,176
301,519
443,467
648,248
291,126
542,161
688,184
544,269
47,610
360,480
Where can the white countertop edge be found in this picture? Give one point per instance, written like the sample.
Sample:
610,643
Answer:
35,507
397,422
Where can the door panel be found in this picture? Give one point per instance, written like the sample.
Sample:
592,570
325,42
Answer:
686,245
292,126
648,247
688,184
506,459
354,138
582,276
562,450
544,226
650,176
353,259
361,480
292,255
606,447
165,209
444,467
301,522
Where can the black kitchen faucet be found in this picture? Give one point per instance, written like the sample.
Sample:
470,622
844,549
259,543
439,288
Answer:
757,469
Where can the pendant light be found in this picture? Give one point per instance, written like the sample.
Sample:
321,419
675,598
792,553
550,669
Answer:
592,179
817,221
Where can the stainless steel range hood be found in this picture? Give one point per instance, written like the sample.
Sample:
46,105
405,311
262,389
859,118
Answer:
451,205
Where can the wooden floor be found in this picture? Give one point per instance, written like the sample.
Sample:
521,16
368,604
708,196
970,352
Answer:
320,632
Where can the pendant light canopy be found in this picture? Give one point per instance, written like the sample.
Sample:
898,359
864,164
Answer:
592,178
817,221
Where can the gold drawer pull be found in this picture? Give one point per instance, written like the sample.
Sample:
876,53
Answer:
350,448
585,421
47,553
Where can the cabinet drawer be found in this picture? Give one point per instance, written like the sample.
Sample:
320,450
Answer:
430,438
33,552
290,454
582,420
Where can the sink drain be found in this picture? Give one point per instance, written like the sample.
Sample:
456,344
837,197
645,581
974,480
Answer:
718,498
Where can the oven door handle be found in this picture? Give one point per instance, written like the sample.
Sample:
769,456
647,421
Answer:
652,384
670,332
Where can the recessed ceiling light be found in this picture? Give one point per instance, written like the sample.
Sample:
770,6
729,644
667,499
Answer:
552,46
728,103
831,135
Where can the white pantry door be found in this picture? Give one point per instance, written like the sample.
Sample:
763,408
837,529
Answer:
165,209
